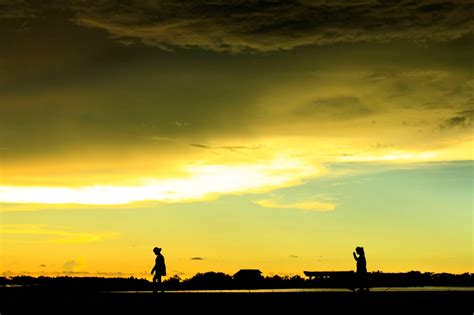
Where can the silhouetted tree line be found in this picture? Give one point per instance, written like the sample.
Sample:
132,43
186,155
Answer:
222,281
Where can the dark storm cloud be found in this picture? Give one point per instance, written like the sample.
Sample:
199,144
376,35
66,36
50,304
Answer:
259,25
14,9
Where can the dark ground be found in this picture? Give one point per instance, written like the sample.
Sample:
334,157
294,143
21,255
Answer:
38,300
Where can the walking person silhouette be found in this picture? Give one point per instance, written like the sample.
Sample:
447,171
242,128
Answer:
361,273
159,269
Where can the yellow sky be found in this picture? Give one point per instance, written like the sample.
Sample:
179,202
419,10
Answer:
275,141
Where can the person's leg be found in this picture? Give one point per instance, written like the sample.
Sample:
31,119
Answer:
366,282
360,282
160,285
154,284
353,282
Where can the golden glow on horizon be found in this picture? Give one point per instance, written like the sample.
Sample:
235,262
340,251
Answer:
224,174
203,182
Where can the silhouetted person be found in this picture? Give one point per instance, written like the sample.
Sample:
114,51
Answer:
361,273
159,269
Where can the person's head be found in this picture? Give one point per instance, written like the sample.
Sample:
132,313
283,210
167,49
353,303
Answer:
360,250
156,250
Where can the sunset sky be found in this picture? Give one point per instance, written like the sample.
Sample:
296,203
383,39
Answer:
275,135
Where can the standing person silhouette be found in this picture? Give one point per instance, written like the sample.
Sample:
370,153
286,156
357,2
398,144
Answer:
361,273
159,269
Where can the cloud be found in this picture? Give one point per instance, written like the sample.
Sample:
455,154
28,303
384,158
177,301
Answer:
233,148
303,205
203,182
335,108
70,134
197,258
73,266
202,146
236,26
394,156
166,139
293,256
17,9
417,74
181,124
316,103
265,26
179,273
69,265
468,113
456,122
240,147
56,235
111,274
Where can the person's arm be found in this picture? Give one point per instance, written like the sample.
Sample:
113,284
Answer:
153,270
355,256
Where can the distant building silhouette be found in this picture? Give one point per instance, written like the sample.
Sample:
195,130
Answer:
248,274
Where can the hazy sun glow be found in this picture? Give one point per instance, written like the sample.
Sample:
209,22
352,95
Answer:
203,182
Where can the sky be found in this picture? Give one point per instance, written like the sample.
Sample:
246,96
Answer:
272,135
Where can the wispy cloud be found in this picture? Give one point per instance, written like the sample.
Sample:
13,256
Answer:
203,182
197,145
56,235
73,265
456,122
393,156
233,148
339,107
164,139
302,205
197,258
